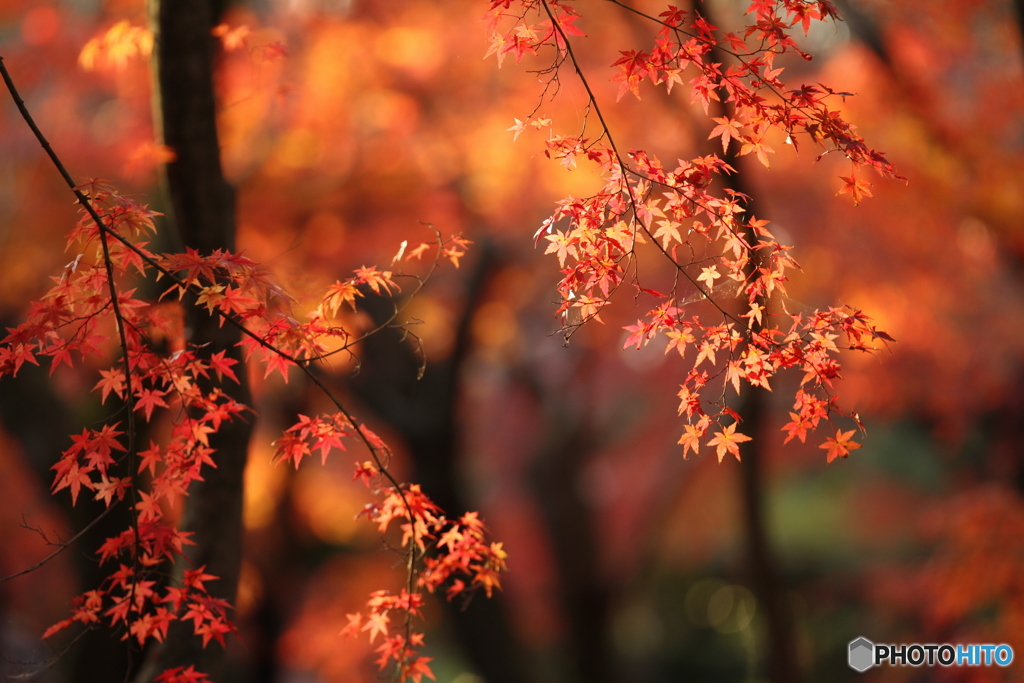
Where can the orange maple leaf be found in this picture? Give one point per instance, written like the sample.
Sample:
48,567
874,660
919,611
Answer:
797,427
858,189
728,441
690,439
758,147
840,445
352,627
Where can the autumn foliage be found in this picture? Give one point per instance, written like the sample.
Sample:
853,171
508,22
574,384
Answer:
716,302
89,305
718,251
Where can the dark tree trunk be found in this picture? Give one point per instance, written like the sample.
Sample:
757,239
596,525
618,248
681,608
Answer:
764,575
425,413
202,211
583,590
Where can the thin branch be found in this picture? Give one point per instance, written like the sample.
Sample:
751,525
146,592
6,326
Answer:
61,546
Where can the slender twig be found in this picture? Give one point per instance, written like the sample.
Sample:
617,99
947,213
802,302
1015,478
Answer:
46,664
61,546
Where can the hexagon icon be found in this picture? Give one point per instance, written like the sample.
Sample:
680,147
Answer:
862,654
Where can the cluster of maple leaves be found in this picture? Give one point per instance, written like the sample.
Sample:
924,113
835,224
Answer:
159,371
717,250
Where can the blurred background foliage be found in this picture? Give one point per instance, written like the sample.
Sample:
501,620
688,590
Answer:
348,124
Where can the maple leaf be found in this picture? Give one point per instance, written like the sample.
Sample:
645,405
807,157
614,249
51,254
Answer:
690,439
211,296
113,380
180,674
455,248
562,247
471,520
232,38
840,445
116,46
222,365
457,587
214,629
378,280
106,489
489,579
640,334
755,312
61,355
277,362
75,477
857,189
728,129
796,427
708,276
678,339
148,507
401,252
706,350
338,294
194,578
567,22
728,441
148,399
450,538
418,668
59,626
105,440
635,66
733,373
376,622
668,233
119,612
758,147
519,127
352,627
236,301
366,472
417,251
150,457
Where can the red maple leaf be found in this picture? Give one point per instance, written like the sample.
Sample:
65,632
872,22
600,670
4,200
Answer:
418,668
113,380
797,427
75,477
148,399
180,674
